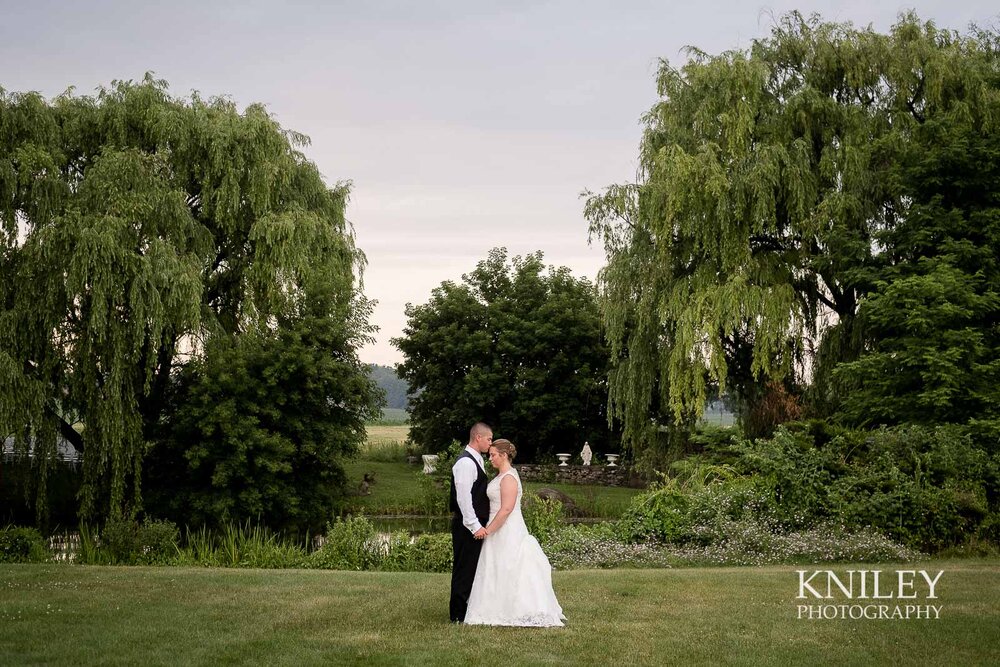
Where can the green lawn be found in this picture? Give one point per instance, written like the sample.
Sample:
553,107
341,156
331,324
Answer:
608,502
59,614
397,490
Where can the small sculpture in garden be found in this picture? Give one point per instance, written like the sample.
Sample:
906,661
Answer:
366,484
586,454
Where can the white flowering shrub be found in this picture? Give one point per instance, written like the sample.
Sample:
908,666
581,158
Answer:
732,543
756,543
600,547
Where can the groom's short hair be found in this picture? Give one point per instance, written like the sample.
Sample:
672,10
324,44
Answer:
477,429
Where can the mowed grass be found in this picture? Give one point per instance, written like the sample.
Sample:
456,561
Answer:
396,489
606,502
59,614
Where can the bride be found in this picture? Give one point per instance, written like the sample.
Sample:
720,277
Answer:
513,584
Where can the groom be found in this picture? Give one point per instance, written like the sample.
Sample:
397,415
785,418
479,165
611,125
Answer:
471,508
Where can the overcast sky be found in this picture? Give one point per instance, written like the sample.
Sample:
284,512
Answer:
463,125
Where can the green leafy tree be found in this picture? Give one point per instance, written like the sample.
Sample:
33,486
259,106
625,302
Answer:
514,346
134,229
742,254
932,321
258,429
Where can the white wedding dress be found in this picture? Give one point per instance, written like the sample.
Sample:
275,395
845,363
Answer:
513,584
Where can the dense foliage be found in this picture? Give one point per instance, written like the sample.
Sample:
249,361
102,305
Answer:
22,545
931,322
135,228
259,429
811,201
927,488
515,346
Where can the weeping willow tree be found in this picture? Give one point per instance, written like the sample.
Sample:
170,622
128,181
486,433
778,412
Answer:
135,228
768,178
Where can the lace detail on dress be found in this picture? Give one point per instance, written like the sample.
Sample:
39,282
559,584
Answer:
529,621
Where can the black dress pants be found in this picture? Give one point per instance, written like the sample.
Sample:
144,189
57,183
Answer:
466,550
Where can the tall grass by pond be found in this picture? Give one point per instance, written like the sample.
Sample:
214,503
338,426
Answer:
357,544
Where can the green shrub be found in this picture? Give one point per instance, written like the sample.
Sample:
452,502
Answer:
436,487
199,548
714,443
90,552
660,513
927,487
712,511
260,427
156,542
434,493
728,543
796,473
119,541
127,542
354,544
429,552
749,542
600,546
22,545
543,517
350,544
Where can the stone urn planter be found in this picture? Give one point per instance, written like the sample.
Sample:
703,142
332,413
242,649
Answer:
430,462
611,460
563,458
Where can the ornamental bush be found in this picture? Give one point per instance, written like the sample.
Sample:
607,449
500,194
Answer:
22,545
543,517
429,552
349,544
928,488
600,546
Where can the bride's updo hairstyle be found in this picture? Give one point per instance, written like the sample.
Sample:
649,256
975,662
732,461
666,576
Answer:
505,447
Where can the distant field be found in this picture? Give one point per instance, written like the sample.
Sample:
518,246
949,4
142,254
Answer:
379,434
718,418
394,416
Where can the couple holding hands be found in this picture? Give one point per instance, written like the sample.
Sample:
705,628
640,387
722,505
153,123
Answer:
500,575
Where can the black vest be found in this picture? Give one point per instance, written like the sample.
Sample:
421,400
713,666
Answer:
480,501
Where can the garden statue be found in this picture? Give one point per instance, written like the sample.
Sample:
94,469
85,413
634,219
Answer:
586,454
366,484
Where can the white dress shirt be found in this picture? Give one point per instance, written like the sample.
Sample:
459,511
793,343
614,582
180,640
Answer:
465,472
